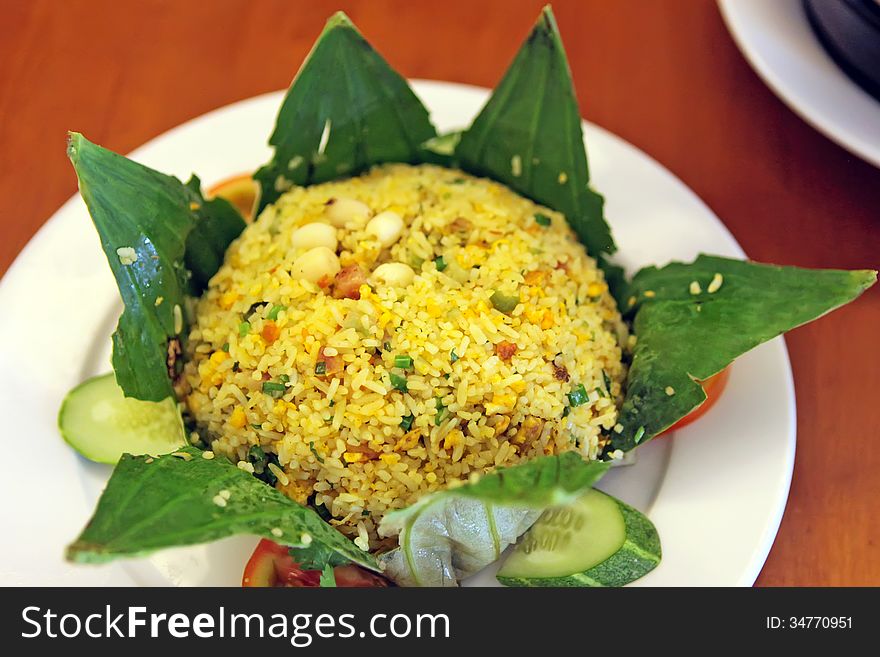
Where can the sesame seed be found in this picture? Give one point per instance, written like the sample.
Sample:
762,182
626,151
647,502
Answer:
276,532
618,428
362,543
306,539
183,455
516,166
159,301
225,494
715,285
207,455
149,460
219,500
563,178
295,162
670,390
247,467
127,255
650,294
178,318
695,287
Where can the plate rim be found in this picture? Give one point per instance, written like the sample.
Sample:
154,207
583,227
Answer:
737,13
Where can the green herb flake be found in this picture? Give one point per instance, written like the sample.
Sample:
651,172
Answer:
328,578
440,263
442,412
274,389
321,367
225,347
399,382
314,451
607,381
403,361
542,219
453,356
407,422
387,346
640,433
578,396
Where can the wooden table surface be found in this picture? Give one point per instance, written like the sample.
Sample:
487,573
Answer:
663,74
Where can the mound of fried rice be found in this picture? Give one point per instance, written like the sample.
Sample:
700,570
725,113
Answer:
515,344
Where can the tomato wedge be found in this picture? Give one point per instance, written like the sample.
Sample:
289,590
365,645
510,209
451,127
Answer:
239,190
713,387
272,566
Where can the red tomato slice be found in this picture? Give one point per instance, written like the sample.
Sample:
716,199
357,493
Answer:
713,387
272,566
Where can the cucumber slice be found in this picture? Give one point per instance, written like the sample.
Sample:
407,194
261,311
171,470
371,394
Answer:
100,423
595,541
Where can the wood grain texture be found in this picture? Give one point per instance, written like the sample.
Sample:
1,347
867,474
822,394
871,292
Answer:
663,74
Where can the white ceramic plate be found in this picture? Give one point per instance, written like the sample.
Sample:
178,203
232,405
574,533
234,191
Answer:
777,40
716,491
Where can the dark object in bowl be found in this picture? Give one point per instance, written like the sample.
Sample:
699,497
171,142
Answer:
850,32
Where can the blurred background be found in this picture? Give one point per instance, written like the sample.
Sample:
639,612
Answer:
665,75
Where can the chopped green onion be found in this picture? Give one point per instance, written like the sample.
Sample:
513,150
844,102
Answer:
403,361
273,314
273,389
601,392
639,434
258,459
566,411
399,382
442,412
453,356
387,346
440,262
578,396
458,181
284,378
256,426
542,219
243,329
321,367
226,347
407,422
504,303
315,452
607,381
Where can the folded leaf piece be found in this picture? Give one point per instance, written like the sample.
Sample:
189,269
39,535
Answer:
692,320
345,111
152,503
152,229
529,137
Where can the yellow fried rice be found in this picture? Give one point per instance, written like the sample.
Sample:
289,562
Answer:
511,332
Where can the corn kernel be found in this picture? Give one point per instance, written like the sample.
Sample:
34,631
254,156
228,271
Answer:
238,419
227,299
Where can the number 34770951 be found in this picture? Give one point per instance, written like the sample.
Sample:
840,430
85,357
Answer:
809,622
